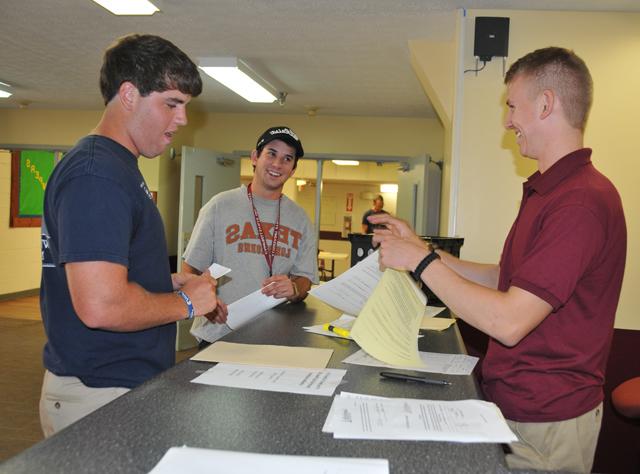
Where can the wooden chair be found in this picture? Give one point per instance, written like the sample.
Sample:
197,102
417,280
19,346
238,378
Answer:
325,274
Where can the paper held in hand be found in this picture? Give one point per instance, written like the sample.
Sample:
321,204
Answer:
388,325
389,307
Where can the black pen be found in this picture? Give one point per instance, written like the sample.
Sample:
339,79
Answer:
413,378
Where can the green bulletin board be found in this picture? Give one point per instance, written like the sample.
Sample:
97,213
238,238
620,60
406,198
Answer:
30,171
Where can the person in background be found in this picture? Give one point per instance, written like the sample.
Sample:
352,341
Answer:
549,305
262,235
378,204
108,299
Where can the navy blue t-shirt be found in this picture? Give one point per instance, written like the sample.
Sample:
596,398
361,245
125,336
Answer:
97,207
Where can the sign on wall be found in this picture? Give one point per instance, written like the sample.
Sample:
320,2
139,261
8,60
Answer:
30,171
349,202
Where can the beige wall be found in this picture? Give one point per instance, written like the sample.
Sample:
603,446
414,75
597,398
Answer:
19,247
491,170
221,132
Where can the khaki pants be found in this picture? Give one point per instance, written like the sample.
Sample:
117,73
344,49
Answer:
64,400
568,445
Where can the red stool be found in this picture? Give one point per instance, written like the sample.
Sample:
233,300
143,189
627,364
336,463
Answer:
626,398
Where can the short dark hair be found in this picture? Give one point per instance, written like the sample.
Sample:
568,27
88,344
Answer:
563,72
150,63
380,198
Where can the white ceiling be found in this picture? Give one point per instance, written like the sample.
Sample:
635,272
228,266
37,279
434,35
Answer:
343,57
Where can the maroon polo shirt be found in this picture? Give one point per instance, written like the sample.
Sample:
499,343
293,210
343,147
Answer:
567,246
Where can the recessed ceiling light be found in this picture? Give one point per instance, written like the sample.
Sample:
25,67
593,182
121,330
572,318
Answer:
345,162
5,90
128,7
240,78
388,188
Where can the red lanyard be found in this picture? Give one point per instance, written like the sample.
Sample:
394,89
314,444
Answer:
269,254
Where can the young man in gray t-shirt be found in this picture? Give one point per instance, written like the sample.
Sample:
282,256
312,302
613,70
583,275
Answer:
236,229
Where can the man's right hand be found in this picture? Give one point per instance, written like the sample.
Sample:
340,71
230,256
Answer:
202,292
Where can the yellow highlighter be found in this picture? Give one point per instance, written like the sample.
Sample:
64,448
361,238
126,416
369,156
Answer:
342,332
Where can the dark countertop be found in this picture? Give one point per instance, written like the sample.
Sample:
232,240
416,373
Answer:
132,433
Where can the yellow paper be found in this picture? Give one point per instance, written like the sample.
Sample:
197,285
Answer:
436,324
388,325
260,354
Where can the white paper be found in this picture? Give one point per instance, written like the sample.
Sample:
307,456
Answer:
218,271
345,321
467,421
434,362
196,460
431,311
349,291
246,309
273,379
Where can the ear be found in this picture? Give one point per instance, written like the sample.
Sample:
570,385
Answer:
547,103
254,157
128,95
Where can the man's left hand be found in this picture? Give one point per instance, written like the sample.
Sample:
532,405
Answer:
279,286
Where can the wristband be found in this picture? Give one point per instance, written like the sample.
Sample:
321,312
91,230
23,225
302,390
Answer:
424,263
187,300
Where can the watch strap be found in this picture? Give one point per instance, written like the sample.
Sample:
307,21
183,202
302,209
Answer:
424,263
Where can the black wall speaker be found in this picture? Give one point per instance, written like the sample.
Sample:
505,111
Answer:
491,37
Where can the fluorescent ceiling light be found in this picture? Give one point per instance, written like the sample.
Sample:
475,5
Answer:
5,90
345,162
388,188
240,78
128,7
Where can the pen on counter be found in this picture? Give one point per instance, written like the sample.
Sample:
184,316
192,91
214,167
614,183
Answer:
413,378
336,330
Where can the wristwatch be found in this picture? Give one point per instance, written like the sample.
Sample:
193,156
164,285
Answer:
424,263
295,289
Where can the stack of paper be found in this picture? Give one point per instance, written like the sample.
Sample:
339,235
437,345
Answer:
389,307
357,416
388,325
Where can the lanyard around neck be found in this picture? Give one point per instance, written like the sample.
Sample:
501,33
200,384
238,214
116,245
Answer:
269,253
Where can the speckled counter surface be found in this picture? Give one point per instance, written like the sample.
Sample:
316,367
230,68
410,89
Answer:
131,434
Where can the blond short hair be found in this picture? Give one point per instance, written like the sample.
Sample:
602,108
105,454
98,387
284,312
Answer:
563,72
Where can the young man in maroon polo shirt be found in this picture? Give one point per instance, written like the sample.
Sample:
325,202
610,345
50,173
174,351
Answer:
549,305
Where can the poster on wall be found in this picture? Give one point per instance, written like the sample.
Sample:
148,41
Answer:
349,202
30,171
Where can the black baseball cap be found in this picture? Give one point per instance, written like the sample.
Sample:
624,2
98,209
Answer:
282,133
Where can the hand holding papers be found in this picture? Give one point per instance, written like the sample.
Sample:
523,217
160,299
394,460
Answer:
366,417
240,312
247,308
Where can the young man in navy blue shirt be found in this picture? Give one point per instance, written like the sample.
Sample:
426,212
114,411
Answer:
109,302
